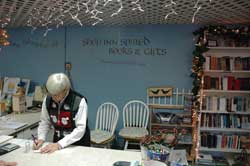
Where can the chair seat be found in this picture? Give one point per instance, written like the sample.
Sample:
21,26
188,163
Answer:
133,132
100,136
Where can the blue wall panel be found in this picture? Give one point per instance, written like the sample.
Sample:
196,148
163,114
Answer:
98,72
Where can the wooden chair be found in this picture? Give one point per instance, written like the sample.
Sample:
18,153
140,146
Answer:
135,121
106,121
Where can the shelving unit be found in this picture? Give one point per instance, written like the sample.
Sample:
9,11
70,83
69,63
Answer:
172,102
222,150
225,106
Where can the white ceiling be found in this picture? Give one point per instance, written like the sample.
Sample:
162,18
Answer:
53,12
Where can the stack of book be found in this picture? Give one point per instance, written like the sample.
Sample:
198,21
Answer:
220,161
205,160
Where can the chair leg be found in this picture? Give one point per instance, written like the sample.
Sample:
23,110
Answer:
126,145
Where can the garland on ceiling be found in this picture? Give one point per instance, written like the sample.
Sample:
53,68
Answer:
240,35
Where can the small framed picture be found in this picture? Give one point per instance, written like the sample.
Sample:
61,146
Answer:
10,85
212,43
25,84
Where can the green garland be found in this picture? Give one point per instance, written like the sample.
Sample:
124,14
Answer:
239,34
236,33
197,68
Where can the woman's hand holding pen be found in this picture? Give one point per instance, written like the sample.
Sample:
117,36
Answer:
37,144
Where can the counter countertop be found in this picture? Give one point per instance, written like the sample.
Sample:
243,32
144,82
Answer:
70,156
31,118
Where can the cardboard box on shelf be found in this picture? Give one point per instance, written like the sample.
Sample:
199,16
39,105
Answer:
18,103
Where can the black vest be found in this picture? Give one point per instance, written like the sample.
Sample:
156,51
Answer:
62,119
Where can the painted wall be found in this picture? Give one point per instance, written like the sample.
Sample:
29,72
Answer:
113,64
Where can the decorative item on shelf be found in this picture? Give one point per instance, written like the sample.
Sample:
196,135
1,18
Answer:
40,92
245,142
20,91
160,91
10,85
1,86
159,146
8,102
18,100
2,108
18,103
25,84
155,147
163,117
212,43
4,37
243,159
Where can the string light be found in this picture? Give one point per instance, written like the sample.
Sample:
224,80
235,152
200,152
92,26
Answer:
119,10
197,10
47,30
106,2
4,37
95,12
138,6
197,7
75,17
87,6
170,5
59,9
3,33
172,12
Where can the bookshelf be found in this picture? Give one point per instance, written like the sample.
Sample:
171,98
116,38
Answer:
225,100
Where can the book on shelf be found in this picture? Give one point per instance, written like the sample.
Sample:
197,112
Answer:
220,141
205,158
227,63
220,161
226,83
225,121
228,104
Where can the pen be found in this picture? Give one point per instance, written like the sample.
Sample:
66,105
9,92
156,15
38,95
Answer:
34,139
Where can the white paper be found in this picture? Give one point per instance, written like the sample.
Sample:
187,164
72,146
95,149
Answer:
12,125
4,138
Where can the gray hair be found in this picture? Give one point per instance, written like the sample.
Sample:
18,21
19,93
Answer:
57,83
